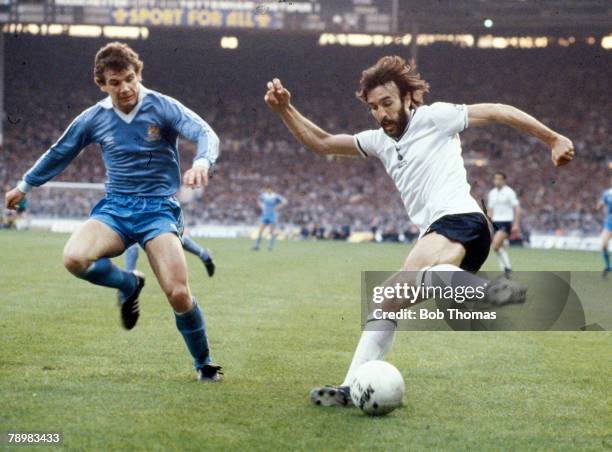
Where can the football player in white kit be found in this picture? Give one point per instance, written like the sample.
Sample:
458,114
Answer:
505,213
420,148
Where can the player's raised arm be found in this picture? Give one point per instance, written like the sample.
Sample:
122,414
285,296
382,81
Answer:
561,147
191,126
600,204
516,224
305,131
52,162
283,203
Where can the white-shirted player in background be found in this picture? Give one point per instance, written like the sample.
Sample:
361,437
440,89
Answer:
505,213
420,149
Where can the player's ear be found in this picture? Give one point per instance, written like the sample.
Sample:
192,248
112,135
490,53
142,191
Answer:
408,101
100,85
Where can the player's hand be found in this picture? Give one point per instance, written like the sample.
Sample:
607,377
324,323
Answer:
277,97
562,150
515,229
12,198
196,177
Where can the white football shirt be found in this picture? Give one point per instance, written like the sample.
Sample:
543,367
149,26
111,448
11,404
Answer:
502,202
426,163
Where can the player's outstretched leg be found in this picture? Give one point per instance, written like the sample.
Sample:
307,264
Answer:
498,292
504,261
606,235
192,247
192,327
131,257
259,236
85,257
502,257
272,237
375,342
271,242
377,337
168,262
128,302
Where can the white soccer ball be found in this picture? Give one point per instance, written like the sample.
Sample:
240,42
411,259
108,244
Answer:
378,388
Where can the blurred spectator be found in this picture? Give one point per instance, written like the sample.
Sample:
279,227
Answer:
328,197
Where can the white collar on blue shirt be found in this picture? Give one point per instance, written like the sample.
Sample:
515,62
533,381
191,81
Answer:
108,104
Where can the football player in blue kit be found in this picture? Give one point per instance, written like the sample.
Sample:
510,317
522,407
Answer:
137,129
605,202
269,203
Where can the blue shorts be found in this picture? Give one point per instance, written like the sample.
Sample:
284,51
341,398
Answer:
138,219
608,223
268,219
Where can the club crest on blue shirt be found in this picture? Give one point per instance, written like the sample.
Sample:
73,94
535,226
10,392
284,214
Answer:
153,133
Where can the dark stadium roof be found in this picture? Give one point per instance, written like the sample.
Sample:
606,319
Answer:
453,16
510,17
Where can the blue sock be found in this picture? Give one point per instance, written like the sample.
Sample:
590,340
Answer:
193,328
193,248
258,241
271,241
131,257
606,256
104,273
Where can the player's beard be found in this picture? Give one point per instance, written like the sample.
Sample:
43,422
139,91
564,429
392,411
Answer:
400,124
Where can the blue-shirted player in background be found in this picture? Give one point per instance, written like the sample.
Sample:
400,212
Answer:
269,202
138,131
606,234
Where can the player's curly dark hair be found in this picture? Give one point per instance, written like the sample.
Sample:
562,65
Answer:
116,56
393,69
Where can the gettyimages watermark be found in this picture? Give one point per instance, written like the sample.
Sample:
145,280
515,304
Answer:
488,301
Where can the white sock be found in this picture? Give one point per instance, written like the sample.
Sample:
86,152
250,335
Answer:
500,261
504,260
375,342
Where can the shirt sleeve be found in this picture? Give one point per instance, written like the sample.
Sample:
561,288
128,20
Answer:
490,200
366,142
58,156
450,119
191,126
513,198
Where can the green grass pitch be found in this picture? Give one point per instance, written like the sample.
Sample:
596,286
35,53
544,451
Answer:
281,323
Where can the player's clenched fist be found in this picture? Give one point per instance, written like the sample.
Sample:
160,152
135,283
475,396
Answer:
562,151
277,97
12,198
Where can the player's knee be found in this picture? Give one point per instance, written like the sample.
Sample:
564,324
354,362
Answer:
178,295
76,263
413,265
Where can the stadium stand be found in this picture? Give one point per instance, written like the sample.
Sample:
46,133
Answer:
49,81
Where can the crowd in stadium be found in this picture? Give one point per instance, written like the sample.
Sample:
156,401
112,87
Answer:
569,94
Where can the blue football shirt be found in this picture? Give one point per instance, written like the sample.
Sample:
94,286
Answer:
606,199
269,202
139,149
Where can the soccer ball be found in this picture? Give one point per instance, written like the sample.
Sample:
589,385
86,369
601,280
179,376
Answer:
378,388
